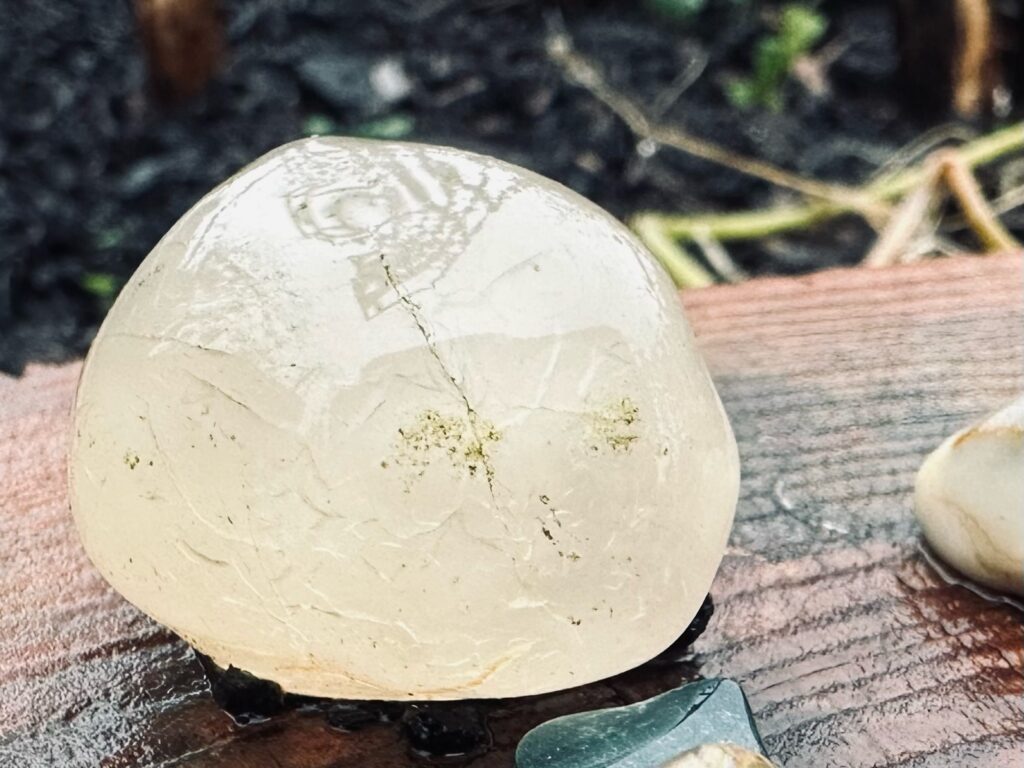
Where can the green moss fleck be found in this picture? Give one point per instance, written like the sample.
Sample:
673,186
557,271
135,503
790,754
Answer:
615,426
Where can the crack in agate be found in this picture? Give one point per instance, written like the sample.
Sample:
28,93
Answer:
479,446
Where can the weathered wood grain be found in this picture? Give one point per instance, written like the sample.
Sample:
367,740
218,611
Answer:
853,650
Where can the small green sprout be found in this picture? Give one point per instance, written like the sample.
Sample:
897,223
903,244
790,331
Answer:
800,28
318,125
103,285
390,127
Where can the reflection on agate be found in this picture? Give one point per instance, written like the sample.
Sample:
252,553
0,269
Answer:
428,205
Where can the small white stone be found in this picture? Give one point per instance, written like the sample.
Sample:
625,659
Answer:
719,756
970,500
382,420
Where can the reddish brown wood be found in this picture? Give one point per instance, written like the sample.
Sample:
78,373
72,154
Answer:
853,650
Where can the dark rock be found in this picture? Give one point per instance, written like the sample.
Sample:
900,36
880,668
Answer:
446,730
695,629
243,696
356,715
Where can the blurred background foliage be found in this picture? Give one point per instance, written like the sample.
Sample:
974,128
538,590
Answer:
118,116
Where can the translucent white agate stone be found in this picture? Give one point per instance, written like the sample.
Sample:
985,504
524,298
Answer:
970,500
387,421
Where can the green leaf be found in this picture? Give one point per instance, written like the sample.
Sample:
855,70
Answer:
799,30
102,285
390,127
741,92
318,125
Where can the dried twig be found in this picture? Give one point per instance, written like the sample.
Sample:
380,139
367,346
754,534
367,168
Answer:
747,225
1010,199
717,256
1004,203
894,240
945,170
584,73
980,216
680,84
920,147
914,187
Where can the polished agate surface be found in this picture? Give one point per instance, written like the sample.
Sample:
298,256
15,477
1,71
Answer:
969,499
386,421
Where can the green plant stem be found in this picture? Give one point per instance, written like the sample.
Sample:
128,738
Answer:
975,153
685,271
748,225
664,233
745,225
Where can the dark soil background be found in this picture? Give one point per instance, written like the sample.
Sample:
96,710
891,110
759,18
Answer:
94,169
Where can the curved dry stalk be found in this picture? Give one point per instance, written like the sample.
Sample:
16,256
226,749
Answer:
979,214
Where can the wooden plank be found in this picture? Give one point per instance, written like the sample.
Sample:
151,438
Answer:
853,650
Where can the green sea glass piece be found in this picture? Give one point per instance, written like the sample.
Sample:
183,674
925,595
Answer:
644,734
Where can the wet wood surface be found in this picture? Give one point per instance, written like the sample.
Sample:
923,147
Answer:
853,650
